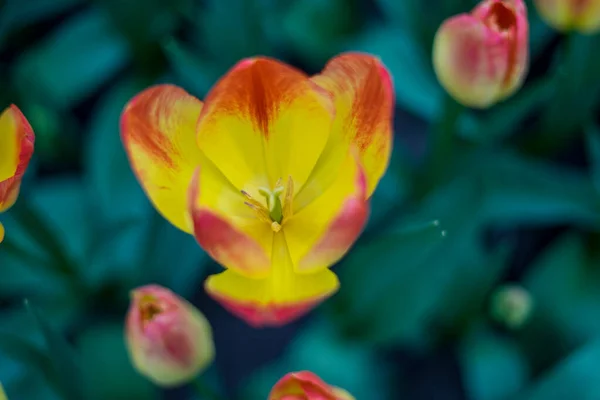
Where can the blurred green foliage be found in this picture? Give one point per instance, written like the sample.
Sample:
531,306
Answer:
471,200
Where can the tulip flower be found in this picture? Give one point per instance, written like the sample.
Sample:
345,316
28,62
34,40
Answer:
16,147
481,58
272,174
169,341
305,385
571,15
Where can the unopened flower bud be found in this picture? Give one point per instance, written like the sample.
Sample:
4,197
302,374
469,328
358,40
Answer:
571,15
481,58
168,339
305,385
511,306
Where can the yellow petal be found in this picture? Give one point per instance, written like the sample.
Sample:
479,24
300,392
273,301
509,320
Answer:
263,121
16,147
319,234
158,131
276,300
9,145
364,103
1,232
588,20
226,228
557,13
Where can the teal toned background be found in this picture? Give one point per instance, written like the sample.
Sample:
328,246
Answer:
471,200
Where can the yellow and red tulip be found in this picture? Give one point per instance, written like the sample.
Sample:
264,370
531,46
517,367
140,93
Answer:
169,340
481,58
305,385
272,174
16,147
571,15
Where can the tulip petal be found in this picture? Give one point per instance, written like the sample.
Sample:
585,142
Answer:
464,61
508,36
158,129
263,121
363,95
322,232
588,20
1,232
226,228
306,385
16,147
276,300
558,13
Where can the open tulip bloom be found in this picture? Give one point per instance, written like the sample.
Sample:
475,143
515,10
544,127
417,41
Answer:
272,174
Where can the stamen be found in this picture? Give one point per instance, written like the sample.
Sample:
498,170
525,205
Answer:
275,212
260,211
288,199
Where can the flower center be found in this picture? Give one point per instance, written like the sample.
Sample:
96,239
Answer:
276,212
149,308
501,17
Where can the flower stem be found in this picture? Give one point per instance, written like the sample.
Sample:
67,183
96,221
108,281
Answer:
442,147
203,391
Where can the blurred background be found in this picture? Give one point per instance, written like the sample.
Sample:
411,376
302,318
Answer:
472,202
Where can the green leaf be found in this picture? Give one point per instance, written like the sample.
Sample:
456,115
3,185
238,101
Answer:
392,302
198,74
107,368
416,86
577,377
592,134
162,242
15,14
420,19
66,366
518,189
315,29
563,283
41,231
493,368
505,118
241,32
65,68
577,89
16,348
114,192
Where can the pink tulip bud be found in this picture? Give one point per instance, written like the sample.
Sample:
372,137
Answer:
568,15
168,339
305,385
481,58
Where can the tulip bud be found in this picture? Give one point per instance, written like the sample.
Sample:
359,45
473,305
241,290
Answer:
305,385
568,15
481,58
511,306
169,341
2,394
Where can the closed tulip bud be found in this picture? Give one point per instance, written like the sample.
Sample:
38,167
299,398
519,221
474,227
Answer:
305,385
481,58
169,341
511,306
571,15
